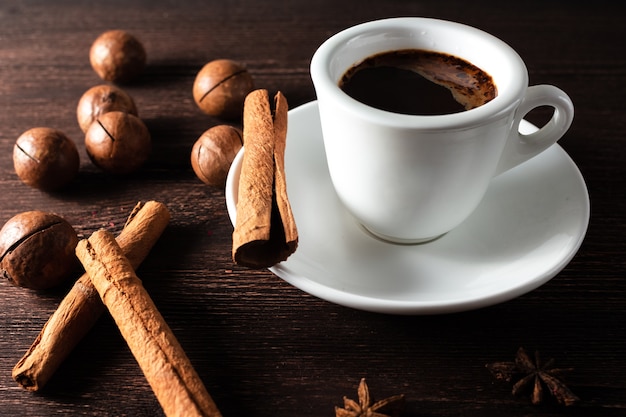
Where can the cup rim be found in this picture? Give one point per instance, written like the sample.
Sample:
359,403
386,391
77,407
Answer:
506,99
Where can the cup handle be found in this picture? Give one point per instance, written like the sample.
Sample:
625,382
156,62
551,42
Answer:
521,147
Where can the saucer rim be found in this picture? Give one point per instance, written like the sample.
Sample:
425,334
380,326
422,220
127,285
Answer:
418,307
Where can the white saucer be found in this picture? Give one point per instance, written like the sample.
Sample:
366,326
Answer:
527,229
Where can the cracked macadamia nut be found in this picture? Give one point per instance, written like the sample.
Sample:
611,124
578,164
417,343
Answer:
37,250
102,99
117,56
118,142
45,158
213,154
221,87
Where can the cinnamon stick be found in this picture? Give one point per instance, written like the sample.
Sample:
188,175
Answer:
81,307
167,368
265,230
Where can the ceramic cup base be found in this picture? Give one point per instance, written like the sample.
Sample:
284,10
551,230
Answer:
399,241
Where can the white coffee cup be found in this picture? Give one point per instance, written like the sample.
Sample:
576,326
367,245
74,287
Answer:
408,178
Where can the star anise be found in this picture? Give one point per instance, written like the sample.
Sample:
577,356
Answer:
365,408
536,374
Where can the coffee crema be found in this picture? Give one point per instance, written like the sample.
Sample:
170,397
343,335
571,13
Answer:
418,82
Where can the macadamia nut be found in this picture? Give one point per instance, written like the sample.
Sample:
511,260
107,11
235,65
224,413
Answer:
117,56
37,250
221,87
102,99
214,152
45,158
118,142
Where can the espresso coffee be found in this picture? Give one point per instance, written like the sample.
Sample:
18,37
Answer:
418,82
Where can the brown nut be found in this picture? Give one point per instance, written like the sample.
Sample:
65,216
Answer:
221,87
117,56
45,158
118,142
102,99
213,154
37,250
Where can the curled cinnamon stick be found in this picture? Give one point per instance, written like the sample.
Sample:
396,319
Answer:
167,368
81,307
265,230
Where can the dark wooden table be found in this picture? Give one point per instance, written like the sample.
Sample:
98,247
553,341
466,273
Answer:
261,346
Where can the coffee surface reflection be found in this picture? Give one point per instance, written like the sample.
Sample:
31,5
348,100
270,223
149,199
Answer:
418,82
